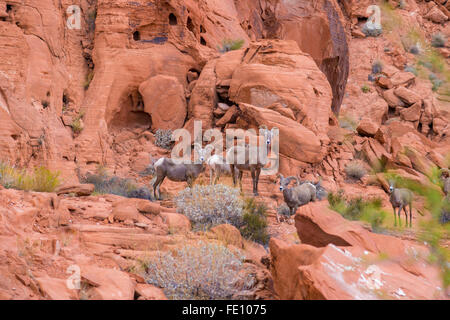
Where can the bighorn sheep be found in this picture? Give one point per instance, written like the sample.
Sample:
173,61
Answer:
166,167
445,176
247,151
401,198
218,166
298,195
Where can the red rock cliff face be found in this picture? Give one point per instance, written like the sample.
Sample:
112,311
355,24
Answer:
46,67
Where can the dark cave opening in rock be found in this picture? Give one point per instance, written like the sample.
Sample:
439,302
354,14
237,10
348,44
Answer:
190,25
173,21
131,114
136,36
203,41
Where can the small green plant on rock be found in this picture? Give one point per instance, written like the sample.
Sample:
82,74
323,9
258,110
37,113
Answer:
77,123
358,209
255,221
365,88
230,44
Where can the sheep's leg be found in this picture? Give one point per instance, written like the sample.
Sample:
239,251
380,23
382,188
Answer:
258,172
406,215
395,217
410,215
190,181
253,172
217,176
234,176
399,215
156,185
240,179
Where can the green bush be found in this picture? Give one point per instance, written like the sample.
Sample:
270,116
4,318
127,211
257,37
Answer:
358,209
206,271
230,44
40,179
105,184
255,222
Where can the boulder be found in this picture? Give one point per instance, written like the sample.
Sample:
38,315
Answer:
56,289
392,100
367,128
177,223
436,15
402,78
228,234
149,292
412,113
296,141
348,273
108,284
275,71
406,95
85,189
164,101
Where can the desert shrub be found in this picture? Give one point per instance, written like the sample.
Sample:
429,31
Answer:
163,139
105,184
365,88
39,179
372,30
77,124
255,221
402,4
230,44
355,170
348,122
438,40
377,67
414,49
358,209
88,80
205,271
211,205
437,83
411,69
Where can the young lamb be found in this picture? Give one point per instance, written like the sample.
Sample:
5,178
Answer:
218,167
401,198
166,167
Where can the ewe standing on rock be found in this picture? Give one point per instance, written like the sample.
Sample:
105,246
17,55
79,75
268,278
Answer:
181,172
401,198
298,195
